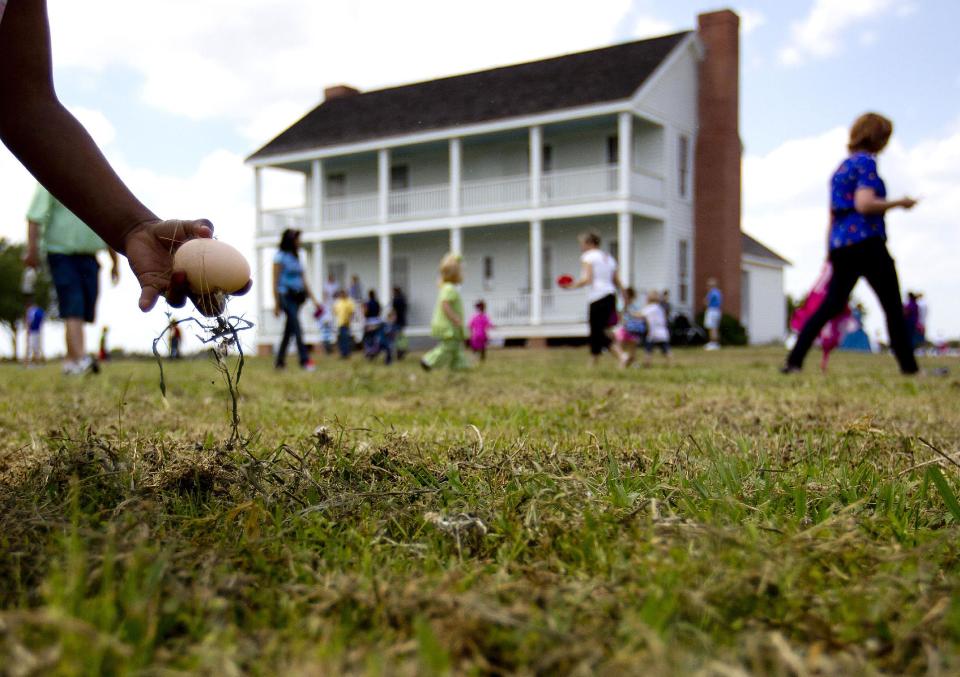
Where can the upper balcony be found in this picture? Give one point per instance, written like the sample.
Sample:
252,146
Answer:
590,160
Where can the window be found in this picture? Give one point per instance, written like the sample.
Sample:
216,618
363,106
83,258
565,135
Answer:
547,160
488,273
399,177
683,165
339,272
400,273
613,149
547,265
683,271
336,185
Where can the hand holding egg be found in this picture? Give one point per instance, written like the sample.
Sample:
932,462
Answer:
151,247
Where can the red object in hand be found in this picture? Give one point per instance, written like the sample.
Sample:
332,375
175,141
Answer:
565,280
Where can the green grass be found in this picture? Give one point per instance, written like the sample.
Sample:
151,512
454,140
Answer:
531,516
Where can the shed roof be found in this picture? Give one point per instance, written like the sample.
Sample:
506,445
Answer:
757,250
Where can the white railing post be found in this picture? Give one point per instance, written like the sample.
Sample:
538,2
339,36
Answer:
456,153
258,198
625,247
456,240
536,272
260,282
625,151
383,183
536,164
385,282
317,270
316,194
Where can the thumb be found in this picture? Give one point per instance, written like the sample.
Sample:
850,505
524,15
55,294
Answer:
148,298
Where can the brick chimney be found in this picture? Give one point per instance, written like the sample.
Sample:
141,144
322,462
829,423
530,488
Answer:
717,170
339,92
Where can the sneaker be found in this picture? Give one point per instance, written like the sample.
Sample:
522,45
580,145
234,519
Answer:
789,369
309,365
424,365
712,346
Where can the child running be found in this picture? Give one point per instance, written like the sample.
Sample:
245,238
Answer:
34,321
480,325
343,309
633,330
658,333
447,324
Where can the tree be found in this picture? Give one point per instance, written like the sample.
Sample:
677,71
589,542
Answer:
12,299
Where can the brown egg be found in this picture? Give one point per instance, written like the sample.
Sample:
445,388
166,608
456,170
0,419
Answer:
212,266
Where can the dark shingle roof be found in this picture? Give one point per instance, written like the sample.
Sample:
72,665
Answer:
753,248
598,76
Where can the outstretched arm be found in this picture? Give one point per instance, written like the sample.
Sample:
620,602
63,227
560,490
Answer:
58,151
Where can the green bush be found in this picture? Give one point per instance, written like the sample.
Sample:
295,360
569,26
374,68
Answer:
732,333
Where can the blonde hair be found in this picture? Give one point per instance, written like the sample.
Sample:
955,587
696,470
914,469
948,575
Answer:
450,269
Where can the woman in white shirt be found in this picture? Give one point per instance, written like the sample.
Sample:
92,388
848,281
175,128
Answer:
598,272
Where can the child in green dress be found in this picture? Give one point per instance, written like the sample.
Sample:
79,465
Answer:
447,324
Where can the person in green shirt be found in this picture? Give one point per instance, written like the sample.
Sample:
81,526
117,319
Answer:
447,324
61,155
71,252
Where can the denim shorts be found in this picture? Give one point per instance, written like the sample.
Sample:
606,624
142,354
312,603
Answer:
76,278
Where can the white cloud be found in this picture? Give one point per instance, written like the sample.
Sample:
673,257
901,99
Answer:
785,206
821,33
751,20
259,66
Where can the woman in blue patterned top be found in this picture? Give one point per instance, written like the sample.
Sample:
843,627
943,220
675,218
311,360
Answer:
857,242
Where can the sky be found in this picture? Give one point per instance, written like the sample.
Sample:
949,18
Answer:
178,93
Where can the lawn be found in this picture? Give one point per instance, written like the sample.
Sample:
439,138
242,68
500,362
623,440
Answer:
531,516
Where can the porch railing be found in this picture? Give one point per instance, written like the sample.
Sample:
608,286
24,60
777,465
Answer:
425,202
510,192
491,194
573,185
354,210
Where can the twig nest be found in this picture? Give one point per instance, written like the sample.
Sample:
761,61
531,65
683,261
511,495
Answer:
212,266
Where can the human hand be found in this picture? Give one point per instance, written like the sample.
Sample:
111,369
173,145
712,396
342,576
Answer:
115,274
31,257
276,309
149,248
907,202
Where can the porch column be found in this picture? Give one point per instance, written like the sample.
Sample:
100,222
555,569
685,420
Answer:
536,272
536,164
260,283
385,282
383,183
316,194
316,265
455,175
258,197
625,246
456,240
625,152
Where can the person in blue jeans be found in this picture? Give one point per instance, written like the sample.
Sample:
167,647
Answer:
713,314
857,243
290,291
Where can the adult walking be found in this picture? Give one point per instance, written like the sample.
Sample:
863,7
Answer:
290,291
857,242
71,252
598,272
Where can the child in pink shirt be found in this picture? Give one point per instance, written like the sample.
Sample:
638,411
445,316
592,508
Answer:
480,324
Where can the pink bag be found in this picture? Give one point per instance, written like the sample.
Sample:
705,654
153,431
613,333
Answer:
833,331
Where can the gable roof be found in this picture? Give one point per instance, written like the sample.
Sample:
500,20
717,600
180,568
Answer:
757,250
597,76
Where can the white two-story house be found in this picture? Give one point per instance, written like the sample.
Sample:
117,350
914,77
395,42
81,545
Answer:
507,167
